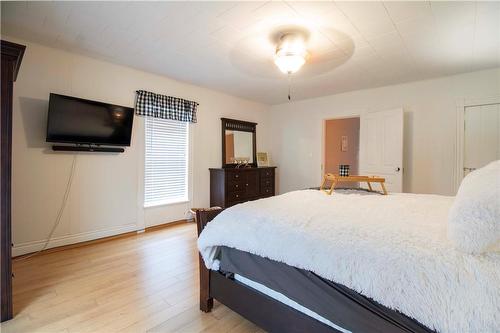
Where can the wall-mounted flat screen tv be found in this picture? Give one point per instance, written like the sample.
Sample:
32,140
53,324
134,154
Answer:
81,121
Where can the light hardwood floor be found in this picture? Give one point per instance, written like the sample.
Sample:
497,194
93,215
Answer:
142,283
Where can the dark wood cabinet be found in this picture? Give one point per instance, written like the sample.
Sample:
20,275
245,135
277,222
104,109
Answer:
12,55
230,186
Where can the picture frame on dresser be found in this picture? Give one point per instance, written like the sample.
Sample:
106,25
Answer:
262,159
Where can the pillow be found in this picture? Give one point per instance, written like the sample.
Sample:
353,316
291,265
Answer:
474,218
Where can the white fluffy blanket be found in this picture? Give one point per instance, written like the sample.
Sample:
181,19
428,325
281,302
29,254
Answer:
392,249
474,220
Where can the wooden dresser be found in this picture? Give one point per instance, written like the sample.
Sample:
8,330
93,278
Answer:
231,186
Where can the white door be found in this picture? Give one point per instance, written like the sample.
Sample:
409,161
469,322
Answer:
381,147
481,136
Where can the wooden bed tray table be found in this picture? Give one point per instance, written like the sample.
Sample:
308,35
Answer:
334,179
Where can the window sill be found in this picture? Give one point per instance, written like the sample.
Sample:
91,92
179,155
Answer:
166,203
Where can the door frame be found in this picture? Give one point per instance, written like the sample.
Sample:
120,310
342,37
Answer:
458,173
323,137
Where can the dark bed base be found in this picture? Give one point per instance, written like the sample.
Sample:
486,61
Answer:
269,313
261,309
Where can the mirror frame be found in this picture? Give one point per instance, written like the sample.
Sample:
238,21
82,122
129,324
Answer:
242,126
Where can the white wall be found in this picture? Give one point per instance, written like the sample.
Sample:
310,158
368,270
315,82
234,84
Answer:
430,128
106,197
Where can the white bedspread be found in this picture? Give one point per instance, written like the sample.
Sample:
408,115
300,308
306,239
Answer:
392,249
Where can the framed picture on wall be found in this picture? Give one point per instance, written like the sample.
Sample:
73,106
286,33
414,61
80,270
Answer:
343,144
262,160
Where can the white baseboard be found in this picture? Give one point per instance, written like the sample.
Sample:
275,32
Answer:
29,247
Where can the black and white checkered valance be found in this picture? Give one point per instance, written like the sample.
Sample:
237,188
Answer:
167,107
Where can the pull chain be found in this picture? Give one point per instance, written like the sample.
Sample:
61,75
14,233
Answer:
289,84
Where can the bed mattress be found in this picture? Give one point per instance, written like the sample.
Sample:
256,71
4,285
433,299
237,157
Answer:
389,248
326,301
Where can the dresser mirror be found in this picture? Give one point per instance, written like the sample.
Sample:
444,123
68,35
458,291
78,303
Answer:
238,143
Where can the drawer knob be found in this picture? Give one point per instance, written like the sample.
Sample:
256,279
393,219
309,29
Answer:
236,176
236,185
267,191
237,196
246,184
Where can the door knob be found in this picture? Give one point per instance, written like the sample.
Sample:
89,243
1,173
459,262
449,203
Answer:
398,169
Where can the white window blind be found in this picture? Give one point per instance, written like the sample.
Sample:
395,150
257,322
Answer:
166,169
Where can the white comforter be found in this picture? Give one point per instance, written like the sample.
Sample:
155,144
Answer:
392,249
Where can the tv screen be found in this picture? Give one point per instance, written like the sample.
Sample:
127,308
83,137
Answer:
76,120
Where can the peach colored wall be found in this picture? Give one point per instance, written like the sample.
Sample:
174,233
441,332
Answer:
334,130
229,148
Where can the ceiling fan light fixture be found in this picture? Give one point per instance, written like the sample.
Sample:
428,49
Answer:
291,53
289,63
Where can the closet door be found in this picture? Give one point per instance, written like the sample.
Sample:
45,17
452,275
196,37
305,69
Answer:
481,136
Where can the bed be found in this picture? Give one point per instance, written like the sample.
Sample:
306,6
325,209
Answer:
350,262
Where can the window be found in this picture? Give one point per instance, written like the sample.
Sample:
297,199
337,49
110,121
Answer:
166,169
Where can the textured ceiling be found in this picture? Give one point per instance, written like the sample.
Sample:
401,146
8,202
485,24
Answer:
229,46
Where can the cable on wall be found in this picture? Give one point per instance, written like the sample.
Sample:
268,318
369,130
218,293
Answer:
60,212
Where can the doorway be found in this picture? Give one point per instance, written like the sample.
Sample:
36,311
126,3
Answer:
481,136
341,146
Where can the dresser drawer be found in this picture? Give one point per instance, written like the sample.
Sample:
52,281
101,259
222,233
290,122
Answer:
236,196
267,191
235,176
266,173
235,186
266,182
247,188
